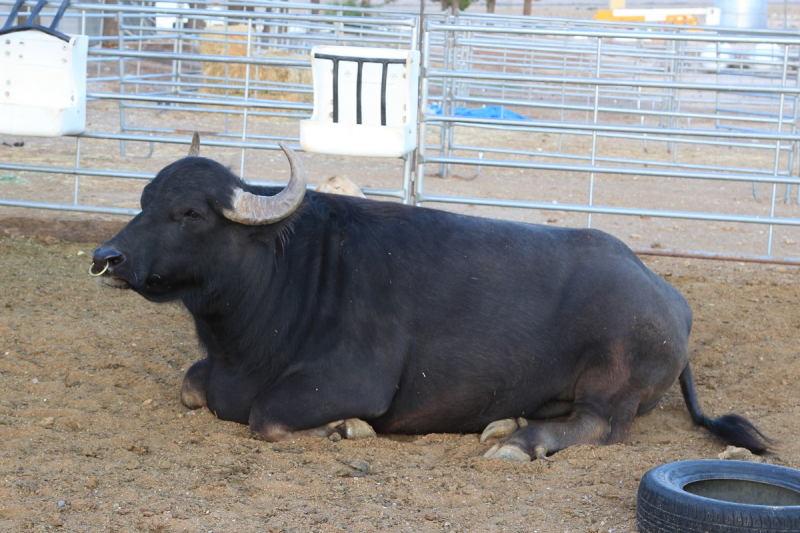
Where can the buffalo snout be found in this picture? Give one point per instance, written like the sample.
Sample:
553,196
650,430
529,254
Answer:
104,257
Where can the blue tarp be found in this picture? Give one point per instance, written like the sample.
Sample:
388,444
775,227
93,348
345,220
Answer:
493,111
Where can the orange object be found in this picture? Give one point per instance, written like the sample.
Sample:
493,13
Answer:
666,16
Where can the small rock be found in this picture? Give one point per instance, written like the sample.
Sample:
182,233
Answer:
35,380
61,503
88,452
356,469
142,449
736,454
92,483
635,236
47,422
430,517
334,437
82,505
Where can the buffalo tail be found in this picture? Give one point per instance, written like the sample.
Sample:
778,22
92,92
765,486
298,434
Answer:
734,429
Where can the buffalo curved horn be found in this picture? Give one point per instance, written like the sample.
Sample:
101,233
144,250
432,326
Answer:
194,149
254,210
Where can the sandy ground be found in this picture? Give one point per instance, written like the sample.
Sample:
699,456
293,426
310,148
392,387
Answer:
93,436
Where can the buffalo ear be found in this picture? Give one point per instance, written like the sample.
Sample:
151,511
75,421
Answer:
194,149
148,194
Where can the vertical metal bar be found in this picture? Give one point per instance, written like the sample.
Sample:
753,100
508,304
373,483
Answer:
121,45
359,77
677,76
417,186
384,74
246,92
669,63
594,121
445,106
778,149
227,73
563,93
77,166
335,90
408,164
638,93
178,65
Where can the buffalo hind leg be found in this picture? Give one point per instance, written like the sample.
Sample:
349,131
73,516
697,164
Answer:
501,429
193,389
584,426
538,438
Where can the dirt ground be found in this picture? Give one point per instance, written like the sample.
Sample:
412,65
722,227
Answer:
93,436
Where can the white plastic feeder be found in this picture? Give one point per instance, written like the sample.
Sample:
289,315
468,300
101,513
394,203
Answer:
365,102
42,84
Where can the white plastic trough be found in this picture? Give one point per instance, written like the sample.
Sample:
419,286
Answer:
42,84
365,102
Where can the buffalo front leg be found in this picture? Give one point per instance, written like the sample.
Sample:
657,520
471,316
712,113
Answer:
193,389
308,406
351,428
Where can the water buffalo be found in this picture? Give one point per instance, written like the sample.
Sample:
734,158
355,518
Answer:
316,311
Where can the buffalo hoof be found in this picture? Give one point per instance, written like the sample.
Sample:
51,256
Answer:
355,428
508,452
193,398
193,389
500,429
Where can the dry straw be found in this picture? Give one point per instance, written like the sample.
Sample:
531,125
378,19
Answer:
266,77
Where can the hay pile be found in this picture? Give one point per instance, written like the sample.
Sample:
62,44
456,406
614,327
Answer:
261,77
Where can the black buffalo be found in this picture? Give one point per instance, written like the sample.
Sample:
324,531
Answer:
318,310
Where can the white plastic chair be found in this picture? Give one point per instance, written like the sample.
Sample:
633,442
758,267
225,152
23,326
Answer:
365,102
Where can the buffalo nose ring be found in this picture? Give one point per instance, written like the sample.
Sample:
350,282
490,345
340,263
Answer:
92,273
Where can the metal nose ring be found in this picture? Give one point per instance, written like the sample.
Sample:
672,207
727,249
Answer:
91,270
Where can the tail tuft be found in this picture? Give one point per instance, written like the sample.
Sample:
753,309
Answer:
739,432
734,429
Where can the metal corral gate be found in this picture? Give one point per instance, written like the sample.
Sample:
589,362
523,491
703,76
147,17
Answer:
663,135
689,132
237,72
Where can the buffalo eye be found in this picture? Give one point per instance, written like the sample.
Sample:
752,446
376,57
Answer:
192,214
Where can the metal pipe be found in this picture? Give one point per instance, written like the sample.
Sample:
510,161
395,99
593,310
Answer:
744,219
762,259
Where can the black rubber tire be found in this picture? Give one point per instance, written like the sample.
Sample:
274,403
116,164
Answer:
663,506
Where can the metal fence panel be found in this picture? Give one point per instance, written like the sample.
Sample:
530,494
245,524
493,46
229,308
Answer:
633,128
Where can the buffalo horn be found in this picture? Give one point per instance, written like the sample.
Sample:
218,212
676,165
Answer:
194,149
254,210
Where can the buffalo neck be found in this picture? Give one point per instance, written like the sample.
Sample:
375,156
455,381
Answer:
251,312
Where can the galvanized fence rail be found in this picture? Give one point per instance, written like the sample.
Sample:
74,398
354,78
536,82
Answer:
604,112
596,89
232,61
